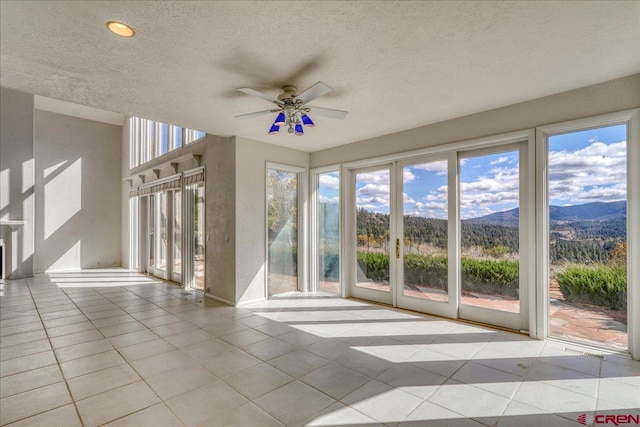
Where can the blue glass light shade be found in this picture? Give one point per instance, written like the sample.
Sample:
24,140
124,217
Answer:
306,120
280,120
274,129
299,130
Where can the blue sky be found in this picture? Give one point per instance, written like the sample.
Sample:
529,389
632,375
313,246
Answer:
584,167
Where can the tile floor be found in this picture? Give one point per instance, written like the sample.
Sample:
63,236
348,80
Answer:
110,347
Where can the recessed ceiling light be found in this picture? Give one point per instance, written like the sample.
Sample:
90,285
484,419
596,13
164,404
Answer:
120,29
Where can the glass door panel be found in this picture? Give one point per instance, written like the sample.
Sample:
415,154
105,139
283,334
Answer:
587,220
425,231
282,224
151,233
328,224
177,236
372,234
199,241
161,235
490,225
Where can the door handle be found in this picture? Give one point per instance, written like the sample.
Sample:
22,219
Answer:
397,248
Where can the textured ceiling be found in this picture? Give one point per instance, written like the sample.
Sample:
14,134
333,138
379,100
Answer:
393,65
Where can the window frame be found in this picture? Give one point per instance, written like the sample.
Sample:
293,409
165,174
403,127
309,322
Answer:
632,119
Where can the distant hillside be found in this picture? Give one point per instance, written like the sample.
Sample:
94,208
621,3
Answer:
596,211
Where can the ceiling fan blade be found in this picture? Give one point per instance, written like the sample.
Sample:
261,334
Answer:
257,113
328,112
315,91
254,92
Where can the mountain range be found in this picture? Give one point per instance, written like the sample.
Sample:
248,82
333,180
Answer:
595,211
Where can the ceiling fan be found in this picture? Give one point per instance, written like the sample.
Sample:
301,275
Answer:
292,107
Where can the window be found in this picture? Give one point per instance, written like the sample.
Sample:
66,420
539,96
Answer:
282,231
587,217
149,139
327,231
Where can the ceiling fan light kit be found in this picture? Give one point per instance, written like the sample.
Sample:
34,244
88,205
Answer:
292,108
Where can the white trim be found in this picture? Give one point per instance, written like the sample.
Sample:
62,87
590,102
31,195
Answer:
193,171
470,144
171,178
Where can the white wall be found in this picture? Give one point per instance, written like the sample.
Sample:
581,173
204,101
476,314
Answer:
251,159
78,192
615,95
17,177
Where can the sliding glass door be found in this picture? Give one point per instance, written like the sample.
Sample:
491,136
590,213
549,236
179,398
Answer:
372,234
194,250
441,234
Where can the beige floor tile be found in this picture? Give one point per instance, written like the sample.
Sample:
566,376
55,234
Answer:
21,328
145,349
70,320
86,365
173,383
335,380
156,415
203,351
188,338
164,362
246,415
33,402
77,351
190,409
102,381
308,403
132,338
30,380
77,338
117,403
382,402
258,380
228,363
63,416
25,349
298,363
26,363
70,329
24,338
341,415
269,349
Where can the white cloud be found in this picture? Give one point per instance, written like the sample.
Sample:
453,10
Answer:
439,167
407,175
500,160
379,177
329,180
594,173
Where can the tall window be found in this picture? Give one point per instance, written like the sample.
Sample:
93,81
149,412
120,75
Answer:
282,223
199,240
328,237
177,232
587,220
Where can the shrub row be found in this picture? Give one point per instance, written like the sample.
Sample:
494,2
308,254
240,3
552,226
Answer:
484,276
601,285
